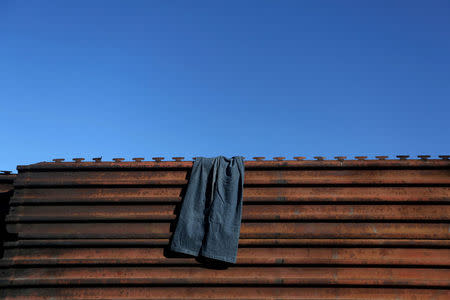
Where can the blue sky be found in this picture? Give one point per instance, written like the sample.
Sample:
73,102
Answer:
206,78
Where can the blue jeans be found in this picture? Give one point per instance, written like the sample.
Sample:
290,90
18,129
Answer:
210,218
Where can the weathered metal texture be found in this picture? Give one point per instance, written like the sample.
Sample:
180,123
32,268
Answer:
241,292
282,242
262,164
249,230
274,194
237,275
256,212
6,181
246,256
255,177
312,229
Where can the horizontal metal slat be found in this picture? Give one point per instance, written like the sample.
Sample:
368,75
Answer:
252,292
247,256
251,194
248,230
281,242
280,177
268,164
250,212
5,188
235,275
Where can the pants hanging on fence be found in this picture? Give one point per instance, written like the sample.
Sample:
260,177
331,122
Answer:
210,218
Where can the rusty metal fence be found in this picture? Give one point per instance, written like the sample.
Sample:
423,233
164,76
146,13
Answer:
311,229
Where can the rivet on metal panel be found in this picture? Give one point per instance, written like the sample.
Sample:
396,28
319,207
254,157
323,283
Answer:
361,157
279,158
340,158
6,172
178,158
259,158
138,159
119,159
299,158
97,159
58,160
423,157
319,158
444,157
382,157
77,159
403,157
158,159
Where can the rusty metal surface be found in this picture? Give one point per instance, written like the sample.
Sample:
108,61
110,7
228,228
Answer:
412,163
6,181
237,275
256,177
246,256
251,194
255,212
355,228
249,230
278,242
223,293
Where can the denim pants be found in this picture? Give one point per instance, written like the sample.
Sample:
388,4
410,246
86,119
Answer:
210,217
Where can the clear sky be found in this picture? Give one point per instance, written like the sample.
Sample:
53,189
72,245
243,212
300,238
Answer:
206,78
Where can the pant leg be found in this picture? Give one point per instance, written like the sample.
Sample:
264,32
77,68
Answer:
190,228
224,221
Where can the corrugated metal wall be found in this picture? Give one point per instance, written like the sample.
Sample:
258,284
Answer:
344,229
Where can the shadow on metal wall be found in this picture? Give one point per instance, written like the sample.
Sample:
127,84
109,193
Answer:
6,192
